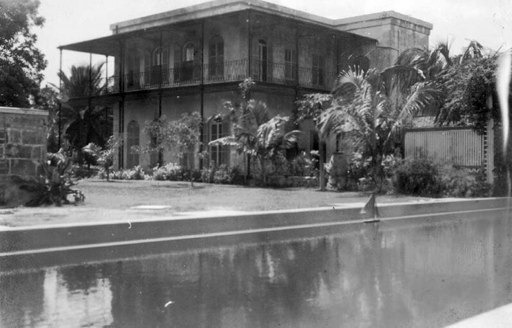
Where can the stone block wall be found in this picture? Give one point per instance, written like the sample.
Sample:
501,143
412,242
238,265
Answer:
22,147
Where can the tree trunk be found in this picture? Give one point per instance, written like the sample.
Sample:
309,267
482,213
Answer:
263,173
190,164
321,163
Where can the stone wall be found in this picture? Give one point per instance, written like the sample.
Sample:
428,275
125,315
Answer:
22,148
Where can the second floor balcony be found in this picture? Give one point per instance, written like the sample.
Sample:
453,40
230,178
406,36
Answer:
190,74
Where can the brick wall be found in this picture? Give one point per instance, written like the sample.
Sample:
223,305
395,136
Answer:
22,147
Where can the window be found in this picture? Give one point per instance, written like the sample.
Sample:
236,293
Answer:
262,60
130,78
187,66
317,70
290,64
216,58
189,52
218,154
159,66
132,140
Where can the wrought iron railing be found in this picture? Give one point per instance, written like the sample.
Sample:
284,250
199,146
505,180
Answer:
227,71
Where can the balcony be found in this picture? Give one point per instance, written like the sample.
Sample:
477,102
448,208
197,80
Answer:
190,74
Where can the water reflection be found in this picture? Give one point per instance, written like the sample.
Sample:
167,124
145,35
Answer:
421,275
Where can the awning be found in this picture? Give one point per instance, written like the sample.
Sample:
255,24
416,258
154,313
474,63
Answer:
108,46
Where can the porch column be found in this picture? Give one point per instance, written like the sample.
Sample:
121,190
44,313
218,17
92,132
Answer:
121,103
249,42
201,127
60,95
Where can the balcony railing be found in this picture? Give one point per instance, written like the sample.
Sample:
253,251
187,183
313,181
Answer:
189,74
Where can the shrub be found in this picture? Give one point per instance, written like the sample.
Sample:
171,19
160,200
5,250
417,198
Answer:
303,165
359,173
169,171
207,174
222,175
185,175
417,177
135,173
462,182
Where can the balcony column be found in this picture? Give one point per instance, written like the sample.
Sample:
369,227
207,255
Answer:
161,77
89,99
297,46
160,152
60,95
121,103
201,87
106,73
249,42
106,92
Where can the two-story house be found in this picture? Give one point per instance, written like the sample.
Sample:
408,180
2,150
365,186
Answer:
193,59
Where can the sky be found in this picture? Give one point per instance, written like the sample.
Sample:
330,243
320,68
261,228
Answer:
455,21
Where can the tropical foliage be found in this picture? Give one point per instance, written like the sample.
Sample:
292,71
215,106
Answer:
54,184
80,124
254,133
104,156
181,136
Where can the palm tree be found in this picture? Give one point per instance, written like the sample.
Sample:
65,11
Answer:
84,124
365,109
257,136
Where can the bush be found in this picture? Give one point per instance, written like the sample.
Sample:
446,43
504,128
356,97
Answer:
303,165
222,175
54,183
135,173
417,177
169,171
207,174
358,175
185,176
424,178
461,182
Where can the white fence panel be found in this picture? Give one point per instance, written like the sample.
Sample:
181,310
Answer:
462,147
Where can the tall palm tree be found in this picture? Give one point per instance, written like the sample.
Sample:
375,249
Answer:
84,124
364,109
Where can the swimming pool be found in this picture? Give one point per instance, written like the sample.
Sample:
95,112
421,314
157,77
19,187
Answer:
389,274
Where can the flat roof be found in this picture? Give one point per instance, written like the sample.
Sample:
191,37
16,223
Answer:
107,46
381,15
215,8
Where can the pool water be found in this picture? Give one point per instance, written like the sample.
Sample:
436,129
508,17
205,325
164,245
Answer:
419,274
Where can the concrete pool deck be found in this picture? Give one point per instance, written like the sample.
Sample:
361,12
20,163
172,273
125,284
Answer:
107,234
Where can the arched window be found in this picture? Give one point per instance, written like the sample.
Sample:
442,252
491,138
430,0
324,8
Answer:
189,52
216,58
188,71
262,60
132,140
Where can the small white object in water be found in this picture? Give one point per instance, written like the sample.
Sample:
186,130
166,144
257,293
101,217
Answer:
168,303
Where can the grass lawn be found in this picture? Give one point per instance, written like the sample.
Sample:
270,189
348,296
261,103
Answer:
118,201
120,194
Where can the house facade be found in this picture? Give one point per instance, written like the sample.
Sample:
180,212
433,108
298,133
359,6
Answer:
193,60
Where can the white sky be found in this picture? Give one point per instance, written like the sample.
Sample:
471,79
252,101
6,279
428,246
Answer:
458,21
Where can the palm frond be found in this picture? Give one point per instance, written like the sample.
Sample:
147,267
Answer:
225,141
